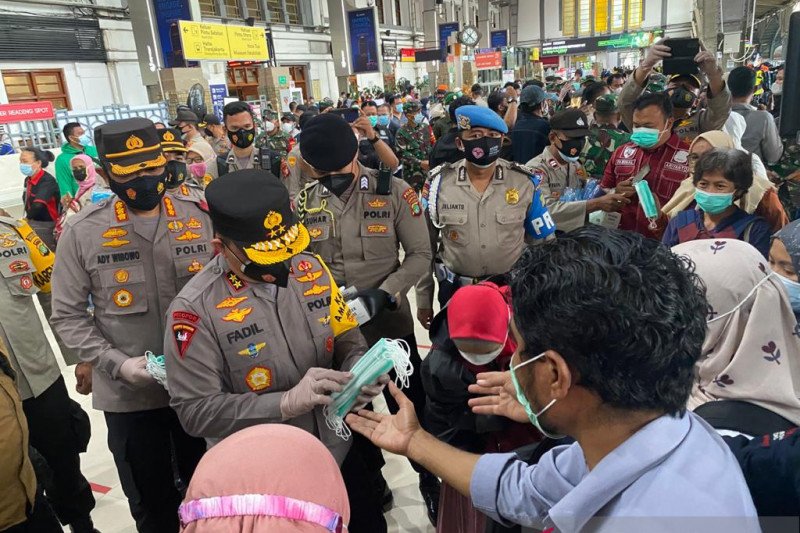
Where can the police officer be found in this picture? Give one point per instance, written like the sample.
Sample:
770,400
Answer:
59,428
604,136
684,93
241,128
132,253
358,218
481,208
175,154
559,169
413,143
262,334
297,178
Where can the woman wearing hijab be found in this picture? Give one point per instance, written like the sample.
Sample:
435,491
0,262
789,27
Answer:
784,259
761,199
264,479
201,162
470,336
720,177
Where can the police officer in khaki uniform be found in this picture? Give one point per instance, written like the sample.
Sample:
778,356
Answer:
481,209
559,169
297,178
132,253
241,127
59,428
262,334
358,219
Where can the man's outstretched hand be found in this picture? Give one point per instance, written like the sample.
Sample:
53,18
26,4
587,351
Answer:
392,433
499,397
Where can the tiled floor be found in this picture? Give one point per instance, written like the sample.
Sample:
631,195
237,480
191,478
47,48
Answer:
111,515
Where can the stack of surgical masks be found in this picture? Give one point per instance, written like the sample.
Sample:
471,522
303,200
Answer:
577,194
155,367
380,359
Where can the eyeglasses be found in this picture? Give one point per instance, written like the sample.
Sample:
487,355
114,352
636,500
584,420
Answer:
194,160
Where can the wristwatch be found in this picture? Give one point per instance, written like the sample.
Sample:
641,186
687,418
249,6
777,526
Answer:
374,140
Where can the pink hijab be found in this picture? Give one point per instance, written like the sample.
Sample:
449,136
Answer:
91,174
266,478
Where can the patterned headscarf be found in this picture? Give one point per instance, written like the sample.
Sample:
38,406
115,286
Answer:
751,351
272,477
790,237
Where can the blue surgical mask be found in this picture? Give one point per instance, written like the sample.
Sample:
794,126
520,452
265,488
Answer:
576,85
373,120
645,137
27,170
418,118
713,203
567,158
383,120
399,107
793,291
85,139
523,400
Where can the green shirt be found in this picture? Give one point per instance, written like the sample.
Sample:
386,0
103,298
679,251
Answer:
66,183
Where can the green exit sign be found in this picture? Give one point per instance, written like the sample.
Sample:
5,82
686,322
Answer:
282,80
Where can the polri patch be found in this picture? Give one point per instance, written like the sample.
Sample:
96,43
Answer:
183,334
412,200
185,316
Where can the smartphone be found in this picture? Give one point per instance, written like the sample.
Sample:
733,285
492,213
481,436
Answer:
350,114
683,54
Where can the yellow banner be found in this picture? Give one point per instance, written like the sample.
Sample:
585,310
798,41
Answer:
223,42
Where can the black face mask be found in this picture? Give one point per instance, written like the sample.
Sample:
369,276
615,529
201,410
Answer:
242,138
279,271
142,193
79,174
482,152
572,147
681,98
176,173
337,183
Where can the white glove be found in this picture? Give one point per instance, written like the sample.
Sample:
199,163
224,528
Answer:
370,392
134,372
313,390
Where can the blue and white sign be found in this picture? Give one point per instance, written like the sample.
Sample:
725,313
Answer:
218,95
498,38
445,29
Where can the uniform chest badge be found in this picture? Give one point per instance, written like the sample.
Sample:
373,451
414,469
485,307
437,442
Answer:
123,298
316,290
18,266
193,223
304,266
115,243
176,226
113,233
512,196
681,156
194,266
308,277
377,203
553,163
453,235
259,378
252,350
121,276
238,314
377,229
188,236
231,301
292,160
26,282
8,243
314,232
628,152
364,183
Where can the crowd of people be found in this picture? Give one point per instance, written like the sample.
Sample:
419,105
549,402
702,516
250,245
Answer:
615,260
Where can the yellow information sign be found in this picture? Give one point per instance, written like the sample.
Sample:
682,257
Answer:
202,40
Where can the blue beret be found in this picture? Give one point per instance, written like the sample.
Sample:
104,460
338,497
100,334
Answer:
475,116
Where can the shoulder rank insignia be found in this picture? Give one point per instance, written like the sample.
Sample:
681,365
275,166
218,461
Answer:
235,282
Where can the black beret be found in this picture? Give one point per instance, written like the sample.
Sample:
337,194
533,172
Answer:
329,142
252,208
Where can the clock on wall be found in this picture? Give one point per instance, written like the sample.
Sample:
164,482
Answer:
469,36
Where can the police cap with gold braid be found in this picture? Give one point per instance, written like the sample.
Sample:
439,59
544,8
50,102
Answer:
251,207
171,140
129,145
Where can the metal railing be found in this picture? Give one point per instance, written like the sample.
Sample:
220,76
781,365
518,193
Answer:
47,133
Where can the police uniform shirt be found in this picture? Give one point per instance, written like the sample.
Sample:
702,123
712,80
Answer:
21,330
234,162
105,252
555,178
359,239
297,179
234,347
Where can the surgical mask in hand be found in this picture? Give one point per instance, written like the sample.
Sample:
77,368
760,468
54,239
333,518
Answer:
713,203
645,137
383,120
373,120
793,291
523,400
385,355
27,170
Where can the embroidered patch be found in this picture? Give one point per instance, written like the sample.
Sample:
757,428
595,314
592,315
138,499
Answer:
453,235
113,233
309,277
292,160
120,211
123,298
628,152
252,350
412,200
195,266
188,235
169,207
238,314
314,232
377,203
193,223
553,163
364,183
185,315
329,344
316,290
176,226
512,196
8,243
121,276
325,320
184,190
21,266
26,282
681,156
235,282
259,378
115,243
304,266
377,228
231,301
183,334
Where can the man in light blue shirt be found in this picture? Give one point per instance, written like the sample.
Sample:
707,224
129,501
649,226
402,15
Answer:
608,326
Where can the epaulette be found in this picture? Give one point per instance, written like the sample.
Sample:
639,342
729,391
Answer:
519,167
89,210
196,286
432,173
